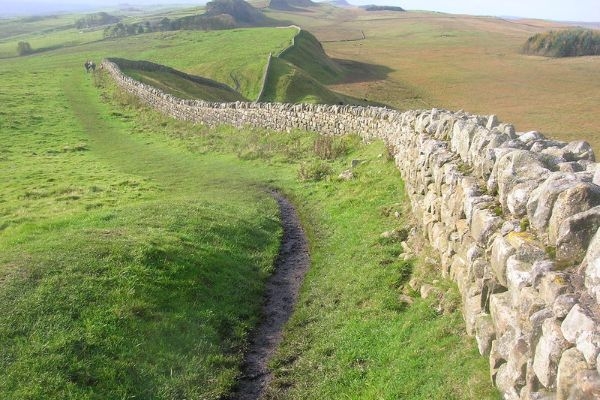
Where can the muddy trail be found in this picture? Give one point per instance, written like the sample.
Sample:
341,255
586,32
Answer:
281,293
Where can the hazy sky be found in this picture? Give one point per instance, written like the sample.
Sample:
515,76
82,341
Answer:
562,10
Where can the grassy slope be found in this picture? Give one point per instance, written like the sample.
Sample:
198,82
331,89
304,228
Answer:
148,273
462,62
127,267
288,83
307,53
299,75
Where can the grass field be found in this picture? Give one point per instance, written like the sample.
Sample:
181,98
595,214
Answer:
462,62
133,249
234,57
127,267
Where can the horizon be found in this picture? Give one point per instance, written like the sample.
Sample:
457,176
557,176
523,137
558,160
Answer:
554,10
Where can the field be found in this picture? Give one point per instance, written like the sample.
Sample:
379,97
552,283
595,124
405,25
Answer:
462,62
134,248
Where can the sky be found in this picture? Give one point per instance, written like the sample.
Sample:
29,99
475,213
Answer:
560,10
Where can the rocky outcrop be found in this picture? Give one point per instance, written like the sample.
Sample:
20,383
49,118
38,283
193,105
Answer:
513,216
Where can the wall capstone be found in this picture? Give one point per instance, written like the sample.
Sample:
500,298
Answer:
514,216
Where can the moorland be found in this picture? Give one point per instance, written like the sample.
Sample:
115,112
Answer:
134,248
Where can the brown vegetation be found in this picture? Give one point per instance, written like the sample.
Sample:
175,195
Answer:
463,62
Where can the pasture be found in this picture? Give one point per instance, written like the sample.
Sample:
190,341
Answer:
462,62
134,248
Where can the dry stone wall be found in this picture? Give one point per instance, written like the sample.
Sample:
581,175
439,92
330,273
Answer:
514,216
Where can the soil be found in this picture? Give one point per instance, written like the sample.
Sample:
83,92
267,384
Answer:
280,297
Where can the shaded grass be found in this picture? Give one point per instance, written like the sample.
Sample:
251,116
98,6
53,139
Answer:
183,88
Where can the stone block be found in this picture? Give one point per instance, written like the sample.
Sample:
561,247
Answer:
575,199
591,266
541,201
518,196
500,351
553,284
547,353
484,333
540,269
471,309
462,134
575,234
588,343
579,150
577,321
587,386
563,304
529,303
503,315
476,202
501,251
518,276
505,383
518,166
483,225
571,362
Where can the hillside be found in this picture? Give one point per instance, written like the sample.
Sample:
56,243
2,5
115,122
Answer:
242,12
217,15
308,54
288,83
564,43
302,72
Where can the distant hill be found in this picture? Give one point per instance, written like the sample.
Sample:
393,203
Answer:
290,4
564,43
241,12
340,3
219,14
382,8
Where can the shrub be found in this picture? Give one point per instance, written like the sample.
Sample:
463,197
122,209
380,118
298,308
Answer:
24,48
314,171
330,147
564,43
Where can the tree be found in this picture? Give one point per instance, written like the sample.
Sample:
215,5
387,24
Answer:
24,48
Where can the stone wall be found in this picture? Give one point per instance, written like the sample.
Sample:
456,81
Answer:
515,218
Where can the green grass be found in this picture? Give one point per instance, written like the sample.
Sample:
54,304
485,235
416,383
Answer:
134,248
234,57
308,54
351,336
288,83
128,267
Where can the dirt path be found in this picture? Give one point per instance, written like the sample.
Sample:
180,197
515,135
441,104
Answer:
280,297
